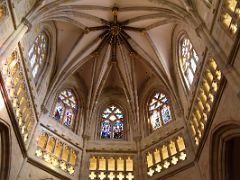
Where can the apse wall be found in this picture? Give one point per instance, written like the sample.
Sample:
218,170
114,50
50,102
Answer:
43,147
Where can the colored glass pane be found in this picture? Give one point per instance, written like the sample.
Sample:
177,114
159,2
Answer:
118,130
68,118
112,125
58,111
66,108
106,130
159,110
166,114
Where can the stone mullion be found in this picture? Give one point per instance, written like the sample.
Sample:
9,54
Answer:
190,67
49,138
196,123
115,166
176,145
64,111
169,152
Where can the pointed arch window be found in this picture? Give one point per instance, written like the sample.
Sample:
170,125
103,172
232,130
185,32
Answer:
65,108
37,54
188,60
112,123
159,111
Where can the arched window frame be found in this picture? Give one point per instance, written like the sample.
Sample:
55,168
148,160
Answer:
169,103
123,121
75,112
194,62
34,47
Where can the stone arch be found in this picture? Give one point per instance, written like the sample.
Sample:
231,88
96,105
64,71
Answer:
150,87
219,150
112,99
49,67
78,114
5,150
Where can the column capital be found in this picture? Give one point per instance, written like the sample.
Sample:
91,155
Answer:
27,23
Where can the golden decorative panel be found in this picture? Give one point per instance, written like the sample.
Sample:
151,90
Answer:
230,16
165,156
57,153
111,168
16,87
205,100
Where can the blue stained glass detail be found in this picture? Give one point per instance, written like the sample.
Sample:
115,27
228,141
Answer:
105,116
166,114
118,130
68,118
58,112
119,116
165,100
105,130
111,125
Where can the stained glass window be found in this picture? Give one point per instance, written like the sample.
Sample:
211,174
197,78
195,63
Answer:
231,15
37,54
112,123
188,60
65,108
159,110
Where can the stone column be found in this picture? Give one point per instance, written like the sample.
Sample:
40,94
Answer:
138,164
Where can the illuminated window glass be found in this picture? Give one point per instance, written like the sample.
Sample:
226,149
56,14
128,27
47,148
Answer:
230,17
66,108
37,54
159,110
112,123
188,60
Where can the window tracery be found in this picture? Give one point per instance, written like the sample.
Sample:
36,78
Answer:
65,108
230,17
188,60
112,123
37,54
159,110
